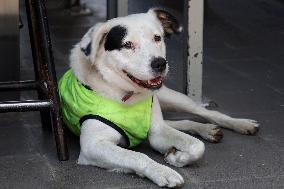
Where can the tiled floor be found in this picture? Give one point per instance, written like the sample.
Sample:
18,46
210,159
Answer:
243,74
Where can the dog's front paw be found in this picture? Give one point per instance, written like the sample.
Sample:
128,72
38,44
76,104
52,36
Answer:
177,158
245,126
163,176
211,133
180,158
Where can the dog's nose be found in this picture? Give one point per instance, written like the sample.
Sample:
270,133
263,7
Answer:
159,64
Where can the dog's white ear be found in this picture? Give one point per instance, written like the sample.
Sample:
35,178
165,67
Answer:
92,40
168,21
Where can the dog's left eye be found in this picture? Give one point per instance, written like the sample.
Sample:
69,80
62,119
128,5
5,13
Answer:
128,45
157,38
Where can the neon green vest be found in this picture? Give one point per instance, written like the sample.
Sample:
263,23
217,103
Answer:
79,103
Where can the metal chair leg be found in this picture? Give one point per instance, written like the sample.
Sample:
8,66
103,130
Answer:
59,134
44,65
45,115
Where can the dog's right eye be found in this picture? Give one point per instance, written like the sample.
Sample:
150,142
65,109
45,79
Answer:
128,45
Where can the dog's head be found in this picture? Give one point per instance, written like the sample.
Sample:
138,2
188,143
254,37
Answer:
130,51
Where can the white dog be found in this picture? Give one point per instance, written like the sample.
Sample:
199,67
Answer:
113,96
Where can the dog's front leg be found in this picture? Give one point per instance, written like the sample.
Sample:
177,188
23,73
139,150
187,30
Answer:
99,147
172,100
179,148
207,131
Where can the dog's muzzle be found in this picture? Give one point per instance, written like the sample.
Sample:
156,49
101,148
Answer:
153,84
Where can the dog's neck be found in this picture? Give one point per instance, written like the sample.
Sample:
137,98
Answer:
102,87
97,83
88,75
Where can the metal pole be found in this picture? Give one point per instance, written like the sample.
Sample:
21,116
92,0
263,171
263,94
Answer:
195,50
42,53
122,8
23,106
117,8
111,9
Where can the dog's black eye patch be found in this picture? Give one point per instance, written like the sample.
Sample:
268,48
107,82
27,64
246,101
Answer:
87,49
114,38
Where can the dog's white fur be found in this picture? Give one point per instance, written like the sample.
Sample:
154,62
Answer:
102,71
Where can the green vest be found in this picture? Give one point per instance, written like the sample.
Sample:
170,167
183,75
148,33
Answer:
78,103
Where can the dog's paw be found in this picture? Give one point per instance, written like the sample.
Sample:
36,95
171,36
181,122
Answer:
180,158
177,158
211,133
163,176
244,126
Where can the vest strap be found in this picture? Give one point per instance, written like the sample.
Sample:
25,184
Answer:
107,122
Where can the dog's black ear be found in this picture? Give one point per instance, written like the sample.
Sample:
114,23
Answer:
91,41
86,42
86,49
168,21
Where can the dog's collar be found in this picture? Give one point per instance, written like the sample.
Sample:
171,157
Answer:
127,96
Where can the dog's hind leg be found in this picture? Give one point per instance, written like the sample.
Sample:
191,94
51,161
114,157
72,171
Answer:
172,100
207,131
99,147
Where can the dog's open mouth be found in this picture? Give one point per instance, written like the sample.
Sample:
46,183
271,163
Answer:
155,83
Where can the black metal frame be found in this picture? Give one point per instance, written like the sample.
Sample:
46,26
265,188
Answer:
45,78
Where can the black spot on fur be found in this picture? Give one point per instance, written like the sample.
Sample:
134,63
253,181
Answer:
114,38
87,50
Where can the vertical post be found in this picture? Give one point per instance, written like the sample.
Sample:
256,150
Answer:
116,8
111,9
195,49
122,8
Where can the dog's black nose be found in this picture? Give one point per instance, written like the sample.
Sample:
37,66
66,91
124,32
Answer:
159,64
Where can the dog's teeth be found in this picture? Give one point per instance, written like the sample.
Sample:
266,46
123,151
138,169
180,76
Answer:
154,82
146,83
